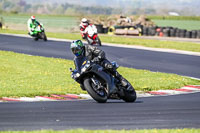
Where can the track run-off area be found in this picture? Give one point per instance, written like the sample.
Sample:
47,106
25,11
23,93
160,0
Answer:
177,111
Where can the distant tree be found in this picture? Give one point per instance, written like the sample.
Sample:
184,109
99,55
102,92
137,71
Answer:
7,4
27,7
22,3
149,11
70,11
59,10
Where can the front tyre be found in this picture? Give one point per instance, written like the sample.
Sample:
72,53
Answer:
45,37
98,41
88,41
130,94
99,97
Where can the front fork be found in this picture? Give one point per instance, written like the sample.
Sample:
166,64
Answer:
98,84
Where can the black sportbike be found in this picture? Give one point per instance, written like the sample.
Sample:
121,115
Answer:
100,84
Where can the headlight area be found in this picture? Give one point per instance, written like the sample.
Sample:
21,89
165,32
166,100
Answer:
85,68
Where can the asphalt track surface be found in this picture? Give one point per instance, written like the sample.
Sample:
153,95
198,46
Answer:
186,65
178,111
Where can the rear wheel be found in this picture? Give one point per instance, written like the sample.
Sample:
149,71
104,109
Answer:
97,93
130,94
36,38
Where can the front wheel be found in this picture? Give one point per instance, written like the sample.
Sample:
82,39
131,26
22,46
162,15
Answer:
88,41
98,41
43,36
98,95
130,94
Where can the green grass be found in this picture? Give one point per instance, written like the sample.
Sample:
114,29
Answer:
111,131
187,46
174,17
182,24
48,20
24,75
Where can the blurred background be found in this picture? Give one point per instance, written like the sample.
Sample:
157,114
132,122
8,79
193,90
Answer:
175,18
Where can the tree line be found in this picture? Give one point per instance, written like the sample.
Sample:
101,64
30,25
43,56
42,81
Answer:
21,6
134,8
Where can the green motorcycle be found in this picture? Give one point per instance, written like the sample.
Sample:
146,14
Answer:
39,33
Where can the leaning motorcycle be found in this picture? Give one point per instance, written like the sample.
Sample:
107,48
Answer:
100,84
92,35
39,33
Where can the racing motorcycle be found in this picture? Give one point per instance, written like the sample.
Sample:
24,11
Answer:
100,84
39,33
92,35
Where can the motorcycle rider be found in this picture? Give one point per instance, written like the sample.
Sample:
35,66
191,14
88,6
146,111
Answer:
84,24
32,23
94,54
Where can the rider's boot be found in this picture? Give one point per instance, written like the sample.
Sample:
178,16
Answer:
121,79
114,72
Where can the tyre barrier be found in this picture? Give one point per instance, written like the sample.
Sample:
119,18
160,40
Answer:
152,31
198,34
126,31
111,30
123,30
145,31
170,32
188,34
166,32
1,25
119,27
105,30
194,34
99,28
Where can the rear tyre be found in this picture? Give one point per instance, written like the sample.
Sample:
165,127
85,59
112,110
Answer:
36,38
101,98
130,94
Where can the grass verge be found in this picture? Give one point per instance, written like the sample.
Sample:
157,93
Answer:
25,75
187,46
112,131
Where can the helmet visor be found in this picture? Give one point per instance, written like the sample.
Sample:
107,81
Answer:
77,51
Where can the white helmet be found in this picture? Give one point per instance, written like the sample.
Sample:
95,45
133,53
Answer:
84,22
33,17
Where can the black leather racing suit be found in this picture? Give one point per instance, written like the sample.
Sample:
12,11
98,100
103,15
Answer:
93,53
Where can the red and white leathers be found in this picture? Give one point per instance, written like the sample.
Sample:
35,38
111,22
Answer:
91,32
83,26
